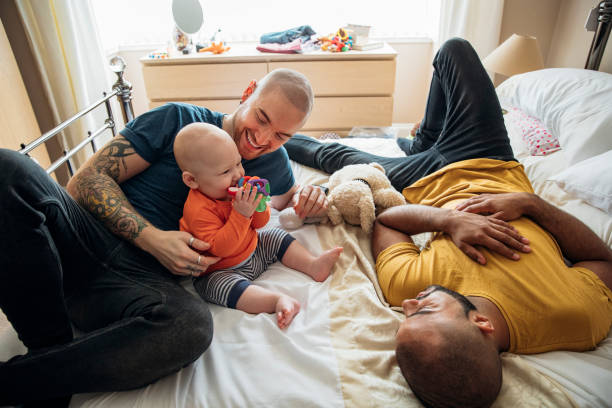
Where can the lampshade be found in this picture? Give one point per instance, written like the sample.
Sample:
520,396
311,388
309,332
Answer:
518,54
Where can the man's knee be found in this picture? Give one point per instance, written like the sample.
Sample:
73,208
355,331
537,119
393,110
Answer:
191,330
10,164
456,47
21,173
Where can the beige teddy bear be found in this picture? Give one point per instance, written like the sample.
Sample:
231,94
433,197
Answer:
357,192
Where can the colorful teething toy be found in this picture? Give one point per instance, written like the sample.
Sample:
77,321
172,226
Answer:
262,185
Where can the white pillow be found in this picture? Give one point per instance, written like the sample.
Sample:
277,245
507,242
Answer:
574,104
590,180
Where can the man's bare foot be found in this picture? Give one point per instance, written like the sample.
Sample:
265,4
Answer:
320,269
286,309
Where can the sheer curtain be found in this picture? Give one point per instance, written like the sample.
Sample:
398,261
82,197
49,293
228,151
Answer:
65,43
478,21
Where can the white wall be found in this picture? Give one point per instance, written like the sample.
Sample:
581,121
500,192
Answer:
412,79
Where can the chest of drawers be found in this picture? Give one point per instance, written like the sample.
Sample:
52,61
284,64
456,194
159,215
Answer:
352,88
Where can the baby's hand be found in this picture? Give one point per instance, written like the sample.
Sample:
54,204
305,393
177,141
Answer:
246,200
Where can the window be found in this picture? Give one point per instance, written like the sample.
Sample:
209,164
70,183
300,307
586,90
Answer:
149,22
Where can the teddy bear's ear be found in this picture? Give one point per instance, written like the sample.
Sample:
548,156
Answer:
378,166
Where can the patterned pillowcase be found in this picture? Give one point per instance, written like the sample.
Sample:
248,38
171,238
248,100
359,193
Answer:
538,139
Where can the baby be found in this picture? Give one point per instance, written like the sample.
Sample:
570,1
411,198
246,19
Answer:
210,162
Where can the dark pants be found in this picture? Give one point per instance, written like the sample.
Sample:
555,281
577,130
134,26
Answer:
60,267
463,120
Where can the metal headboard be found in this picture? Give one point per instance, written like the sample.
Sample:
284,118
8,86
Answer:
122,89
598,45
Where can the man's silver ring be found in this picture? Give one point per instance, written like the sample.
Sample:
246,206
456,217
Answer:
199,258
191,240
192,274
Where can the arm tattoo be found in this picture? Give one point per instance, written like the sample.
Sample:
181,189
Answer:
112,158
99,192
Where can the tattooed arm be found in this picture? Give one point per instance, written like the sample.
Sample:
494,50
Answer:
96,187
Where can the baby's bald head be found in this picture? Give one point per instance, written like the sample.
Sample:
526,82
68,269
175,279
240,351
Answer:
199,144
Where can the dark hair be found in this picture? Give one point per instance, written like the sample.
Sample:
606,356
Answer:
463,301
456,367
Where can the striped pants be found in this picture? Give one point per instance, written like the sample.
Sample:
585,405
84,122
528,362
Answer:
225,286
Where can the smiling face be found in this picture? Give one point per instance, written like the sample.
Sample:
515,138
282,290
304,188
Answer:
265,122
279,107
222,170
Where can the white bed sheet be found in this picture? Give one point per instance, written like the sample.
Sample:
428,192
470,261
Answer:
250,362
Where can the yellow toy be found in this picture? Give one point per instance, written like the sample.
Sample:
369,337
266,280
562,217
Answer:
215,48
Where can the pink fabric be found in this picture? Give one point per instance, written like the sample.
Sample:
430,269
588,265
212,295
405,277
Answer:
538,139
292,47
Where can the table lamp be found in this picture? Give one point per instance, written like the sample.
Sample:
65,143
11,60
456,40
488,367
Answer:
518,54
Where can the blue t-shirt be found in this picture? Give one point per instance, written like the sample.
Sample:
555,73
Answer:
158,193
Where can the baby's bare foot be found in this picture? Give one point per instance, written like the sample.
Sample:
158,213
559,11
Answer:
286,309
322,266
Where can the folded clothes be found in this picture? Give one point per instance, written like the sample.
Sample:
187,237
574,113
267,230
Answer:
282,37
293,47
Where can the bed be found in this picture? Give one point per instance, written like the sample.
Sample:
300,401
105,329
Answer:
339,350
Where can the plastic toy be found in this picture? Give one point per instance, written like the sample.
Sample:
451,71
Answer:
339,42
159,55
215,48
262,185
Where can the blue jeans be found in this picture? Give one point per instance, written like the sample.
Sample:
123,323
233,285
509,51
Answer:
60,267
463,120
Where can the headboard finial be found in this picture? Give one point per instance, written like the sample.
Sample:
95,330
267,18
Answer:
118,65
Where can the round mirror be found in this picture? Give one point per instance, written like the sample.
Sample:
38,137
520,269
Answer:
188,15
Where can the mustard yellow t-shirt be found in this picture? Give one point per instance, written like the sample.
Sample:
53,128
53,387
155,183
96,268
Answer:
547,305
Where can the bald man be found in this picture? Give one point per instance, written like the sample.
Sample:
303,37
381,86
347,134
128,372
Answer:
106,256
